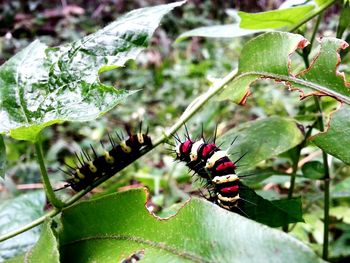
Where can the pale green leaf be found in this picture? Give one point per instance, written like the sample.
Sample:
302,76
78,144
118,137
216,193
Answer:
41,86
200,232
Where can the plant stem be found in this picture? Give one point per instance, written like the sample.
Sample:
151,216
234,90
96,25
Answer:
45,178
307,49
295,168
32,224
217,87
312,15
294,172
326,180
292,178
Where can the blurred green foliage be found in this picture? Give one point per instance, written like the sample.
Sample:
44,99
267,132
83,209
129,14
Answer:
171,76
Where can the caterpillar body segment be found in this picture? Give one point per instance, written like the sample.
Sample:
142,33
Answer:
90,168
212,164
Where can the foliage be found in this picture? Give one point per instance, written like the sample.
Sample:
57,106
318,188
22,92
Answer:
186,237
295,153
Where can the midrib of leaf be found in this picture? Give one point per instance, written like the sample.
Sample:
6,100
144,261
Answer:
295,80
139,240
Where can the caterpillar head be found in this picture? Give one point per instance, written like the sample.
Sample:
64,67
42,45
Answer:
183,150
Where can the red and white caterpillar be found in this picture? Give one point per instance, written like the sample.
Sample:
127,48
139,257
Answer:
212,164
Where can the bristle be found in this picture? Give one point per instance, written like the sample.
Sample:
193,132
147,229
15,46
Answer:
64,171
103,147
61,188
215,133
76,165
246,175
111,140
245,200
93,150
87,156
120,137
240,158
171,144
207,140
176,138
79,160
233,141
187,133
70,167
244,213
140,127
82,156
202,132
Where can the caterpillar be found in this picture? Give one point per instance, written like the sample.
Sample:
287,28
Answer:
90,168
212,164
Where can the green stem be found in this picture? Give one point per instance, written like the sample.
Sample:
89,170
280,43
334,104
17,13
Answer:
294,172
326,219
217,87
32,224
326,180
295,168
306,51
45,178
312,15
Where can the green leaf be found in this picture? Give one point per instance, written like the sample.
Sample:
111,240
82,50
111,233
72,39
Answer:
313,170
261,140
15,213
219,31
322,75
333,141
322,2
41,86
45,250
2,157
274,213
200,232
275,18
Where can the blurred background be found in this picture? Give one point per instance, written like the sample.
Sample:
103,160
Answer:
170,76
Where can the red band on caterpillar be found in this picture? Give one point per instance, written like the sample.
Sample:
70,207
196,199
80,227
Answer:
214,165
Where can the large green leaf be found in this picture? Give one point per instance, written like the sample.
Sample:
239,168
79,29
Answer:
267,57
251,23
335,140
45,250
15,213
218,31
261,140
41,86
2,157
276,18
112,228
